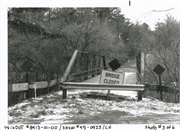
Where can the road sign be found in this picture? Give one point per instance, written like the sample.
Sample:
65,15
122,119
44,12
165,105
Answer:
111,78
159,69
114,64
27,66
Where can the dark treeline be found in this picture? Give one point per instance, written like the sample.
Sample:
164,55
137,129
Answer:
48,36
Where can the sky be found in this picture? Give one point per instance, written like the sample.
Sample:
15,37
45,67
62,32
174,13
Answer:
150,12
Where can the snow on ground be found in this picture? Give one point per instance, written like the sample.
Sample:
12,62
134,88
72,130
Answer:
92,106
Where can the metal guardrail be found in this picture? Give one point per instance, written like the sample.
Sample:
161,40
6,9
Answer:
97,86
123,87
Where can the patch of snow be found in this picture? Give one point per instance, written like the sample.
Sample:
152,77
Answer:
37,98
55,110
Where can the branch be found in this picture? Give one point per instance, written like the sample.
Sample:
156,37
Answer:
15,67
77,39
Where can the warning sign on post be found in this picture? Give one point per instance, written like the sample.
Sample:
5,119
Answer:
111,78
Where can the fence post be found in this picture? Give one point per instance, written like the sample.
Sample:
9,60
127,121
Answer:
67,71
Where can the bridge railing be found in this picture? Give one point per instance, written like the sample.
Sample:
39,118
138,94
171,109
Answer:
80,76
81,66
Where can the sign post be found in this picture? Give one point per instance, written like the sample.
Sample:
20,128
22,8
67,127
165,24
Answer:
159,70
114,64
160,87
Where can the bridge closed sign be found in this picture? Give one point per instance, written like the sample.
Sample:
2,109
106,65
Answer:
111,78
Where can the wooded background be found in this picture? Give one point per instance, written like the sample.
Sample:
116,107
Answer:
48,36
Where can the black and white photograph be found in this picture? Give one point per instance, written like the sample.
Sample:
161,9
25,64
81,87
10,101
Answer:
93,65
